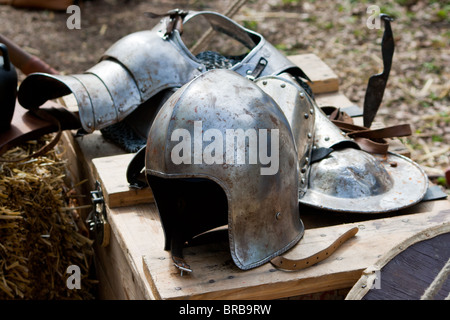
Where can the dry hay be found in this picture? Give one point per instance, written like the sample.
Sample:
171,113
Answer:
38,237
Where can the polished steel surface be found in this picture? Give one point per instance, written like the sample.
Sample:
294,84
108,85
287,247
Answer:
140,65
263,212
351,180
300,113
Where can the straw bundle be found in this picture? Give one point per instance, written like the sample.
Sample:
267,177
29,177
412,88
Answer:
38,236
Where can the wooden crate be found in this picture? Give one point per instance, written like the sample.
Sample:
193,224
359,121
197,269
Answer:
135,266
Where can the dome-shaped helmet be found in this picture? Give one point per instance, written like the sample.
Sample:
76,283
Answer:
348,179
221,152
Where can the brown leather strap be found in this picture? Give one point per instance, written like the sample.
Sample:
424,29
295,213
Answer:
363,132
335,114
369,145
288,264
370,140
373,141
46,148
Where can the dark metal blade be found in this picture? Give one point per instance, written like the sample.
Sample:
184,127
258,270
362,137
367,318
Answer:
377,82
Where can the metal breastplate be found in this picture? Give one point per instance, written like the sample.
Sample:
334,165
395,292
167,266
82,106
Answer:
142,64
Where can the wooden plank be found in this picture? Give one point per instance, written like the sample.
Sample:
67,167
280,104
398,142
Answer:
411,272
323,78
334,99
136,247
111,172
119,281
216,277
393,276
138,233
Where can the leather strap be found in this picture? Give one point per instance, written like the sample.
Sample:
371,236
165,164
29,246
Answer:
373,141
31,124
370,140
400,130
46,148
288,264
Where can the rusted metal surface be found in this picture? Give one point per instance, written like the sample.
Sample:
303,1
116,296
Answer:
261,210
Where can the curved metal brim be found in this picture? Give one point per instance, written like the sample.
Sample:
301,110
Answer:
410,184
105,94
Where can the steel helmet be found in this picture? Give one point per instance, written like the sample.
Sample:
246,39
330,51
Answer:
349,179
298,108
207,163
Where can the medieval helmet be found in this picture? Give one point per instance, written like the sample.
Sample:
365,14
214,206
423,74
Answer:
298,108
207,163
348,179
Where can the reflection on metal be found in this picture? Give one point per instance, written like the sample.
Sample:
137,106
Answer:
328,135
140,65
300,113
262,211
351,180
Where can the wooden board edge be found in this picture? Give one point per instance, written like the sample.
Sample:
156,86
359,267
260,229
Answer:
323,78
253,289
121,195
149,278
369,275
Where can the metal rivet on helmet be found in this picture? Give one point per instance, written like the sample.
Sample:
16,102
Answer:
201,189
291,100
348,179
